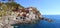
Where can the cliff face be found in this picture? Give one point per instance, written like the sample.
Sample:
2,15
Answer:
13,13
29,14
14,9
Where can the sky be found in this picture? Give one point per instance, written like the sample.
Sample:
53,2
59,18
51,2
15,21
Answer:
46,7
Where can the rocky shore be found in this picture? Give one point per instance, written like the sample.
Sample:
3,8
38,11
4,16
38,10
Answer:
18,15
27,15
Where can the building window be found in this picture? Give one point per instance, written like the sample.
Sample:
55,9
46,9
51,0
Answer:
21,17
16,18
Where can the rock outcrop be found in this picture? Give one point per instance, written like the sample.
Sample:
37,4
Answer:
17,15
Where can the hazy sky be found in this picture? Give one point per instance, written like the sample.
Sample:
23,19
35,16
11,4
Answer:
46,7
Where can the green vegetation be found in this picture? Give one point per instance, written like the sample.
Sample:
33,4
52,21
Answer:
13,4
5,7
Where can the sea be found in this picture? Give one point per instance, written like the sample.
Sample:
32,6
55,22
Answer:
42,23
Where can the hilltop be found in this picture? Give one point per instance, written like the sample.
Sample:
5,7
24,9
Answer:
4,7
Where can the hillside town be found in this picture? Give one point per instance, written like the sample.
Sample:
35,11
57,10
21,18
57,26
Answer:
13,13
17,15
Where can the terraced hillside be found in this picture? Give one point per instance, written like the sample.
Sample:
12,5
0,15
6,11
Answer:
5,7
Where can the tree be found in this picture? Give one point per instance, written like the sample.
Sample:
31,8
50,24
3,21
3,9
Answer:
13,4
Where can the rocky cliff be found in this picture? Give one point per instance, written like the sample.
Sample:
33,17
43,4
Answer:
14,9
13,13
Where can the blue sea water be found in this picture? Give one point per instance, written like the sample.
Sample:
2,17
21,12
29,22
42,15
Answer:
44,24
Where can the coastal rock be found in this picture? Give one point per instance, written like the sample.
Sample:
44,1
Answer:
25,15
18,15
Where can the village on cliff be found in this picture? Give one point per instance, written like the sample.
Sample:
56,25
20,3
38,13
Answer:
13,13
